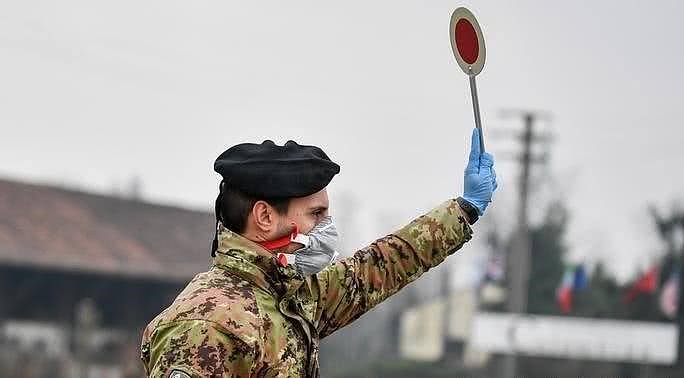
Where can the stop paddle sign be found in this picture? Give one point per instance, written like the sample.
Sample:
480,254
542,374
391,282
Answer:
467,41
468,46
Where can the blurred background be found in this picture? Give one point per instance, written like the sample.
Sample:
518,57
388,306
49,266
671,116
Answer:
113,113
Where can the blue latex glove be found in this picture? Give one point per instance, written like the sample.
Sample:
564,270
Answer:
480,178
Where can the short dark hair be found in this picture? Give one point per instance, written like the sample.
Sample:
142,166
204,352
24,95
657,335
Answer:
233,207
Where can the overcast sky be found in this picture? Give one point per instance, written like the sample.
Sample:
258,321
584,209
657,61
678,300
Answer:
93,93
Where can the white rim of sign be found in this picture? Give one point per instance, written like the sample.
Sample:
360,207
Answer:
476,67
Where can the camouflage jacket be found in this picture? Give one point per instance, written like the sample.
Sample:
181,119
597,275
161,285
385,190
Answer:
249,316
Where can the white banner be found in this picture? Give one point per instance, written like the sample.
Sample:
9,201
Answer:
581,338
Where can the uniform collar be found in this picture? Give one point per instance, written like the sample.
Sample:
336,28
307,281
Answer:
254,263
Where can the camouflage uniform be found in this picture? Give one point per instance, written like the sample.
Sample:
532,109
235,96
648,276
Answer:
249,316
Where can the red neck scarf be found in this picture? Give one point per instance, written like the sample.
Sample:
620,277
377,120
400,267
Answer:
280,243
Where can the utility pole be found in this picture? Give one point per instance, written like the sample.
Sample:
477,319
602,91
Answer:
518,260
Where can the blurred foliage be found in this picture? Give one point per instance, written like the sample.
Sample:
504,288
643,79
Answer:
547,253
604,297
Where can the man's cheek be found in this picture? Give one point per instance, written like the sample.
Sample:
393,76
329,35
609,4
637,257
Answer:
305,226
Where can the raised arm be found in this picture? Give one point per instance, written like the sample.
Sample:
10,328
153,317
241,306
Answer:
352,286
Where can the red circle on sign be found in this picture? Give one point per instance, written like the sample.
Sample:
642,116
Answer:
466,41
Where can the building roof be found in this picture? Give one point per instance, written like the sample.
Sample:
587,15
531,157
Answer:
54,228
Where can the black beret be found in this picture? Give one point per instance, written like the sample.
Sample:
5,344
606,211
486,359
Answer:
267,170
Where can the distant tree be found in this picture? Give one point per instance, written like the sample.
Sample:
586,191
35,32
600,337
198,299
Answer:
601,299
670,230
604,297
548,250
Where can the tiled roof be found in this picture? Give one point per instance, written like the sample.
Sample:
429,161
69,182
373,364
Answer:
54,228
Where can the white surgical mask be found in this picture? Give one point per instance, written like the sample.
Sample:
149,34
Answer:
319,250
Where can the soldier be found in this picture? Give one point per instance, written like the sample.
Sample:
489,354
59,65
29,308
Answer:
255,314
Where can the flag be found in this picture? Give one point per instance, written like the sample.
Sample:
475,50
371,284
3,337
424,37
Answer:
494,270
564,291
669,296
580,281
647,283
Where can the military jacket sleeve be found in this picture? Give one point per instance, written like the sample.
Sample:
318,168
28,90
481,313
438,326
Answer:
196,348
349,288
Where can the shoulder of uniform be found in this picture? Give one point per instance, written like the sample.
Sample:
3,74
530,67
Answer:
199,348
220,298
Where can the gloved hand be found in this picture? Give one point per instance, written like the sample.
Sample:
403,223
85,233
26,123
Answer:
480,179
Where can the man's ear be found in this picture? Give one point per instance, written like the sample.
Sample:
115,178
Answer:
263,215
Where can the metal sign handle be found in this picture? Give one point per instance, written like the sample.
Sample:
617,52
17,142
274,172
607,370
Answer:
476,110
